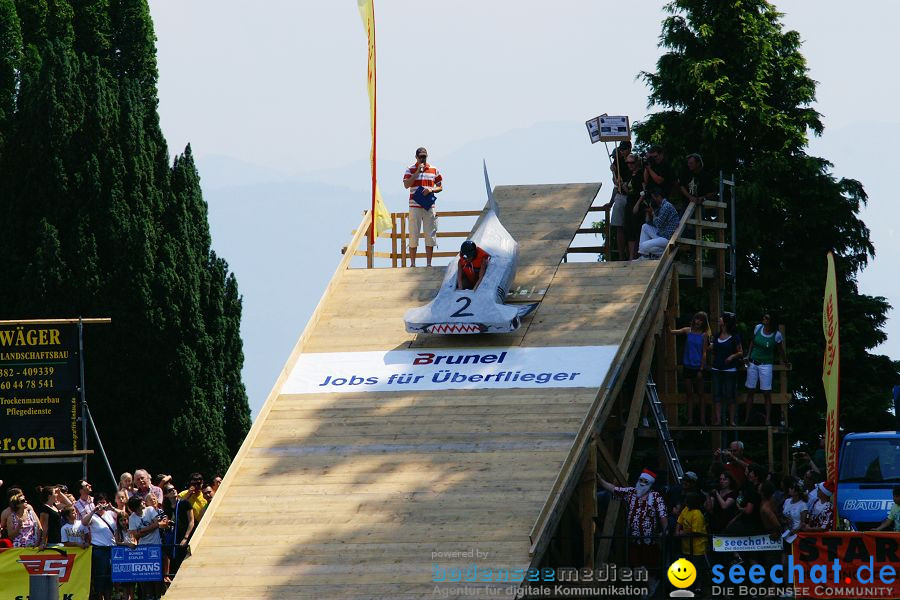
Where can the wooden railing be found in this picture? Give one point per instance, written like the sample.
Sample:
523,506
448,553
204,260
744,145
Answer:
699,243
603,250
400,255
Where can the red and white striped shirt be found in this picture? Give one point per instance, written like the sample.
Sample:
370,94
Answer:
430,177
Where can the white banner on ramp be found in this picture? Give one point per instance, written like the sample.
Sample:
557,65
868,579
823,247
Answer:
440,369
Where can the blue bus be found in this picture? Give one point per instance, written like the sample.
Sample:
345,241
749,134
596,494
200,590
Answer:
868,471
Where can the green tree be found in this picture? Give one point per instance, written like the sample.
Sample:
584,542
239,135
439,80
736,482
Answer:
99,223
10,57
734,86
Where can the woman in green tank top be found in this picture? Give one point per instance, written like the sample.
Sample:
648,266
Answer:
764,343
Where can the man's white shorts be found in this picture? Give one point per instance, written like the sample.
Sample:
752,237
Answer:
424,221
761,374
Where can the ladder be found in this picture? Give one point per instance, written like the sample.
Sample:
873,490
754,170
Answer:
662,425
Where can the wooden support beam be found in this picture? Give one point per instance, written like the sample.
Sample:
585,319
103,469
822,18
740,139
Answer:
47,454
86,321
370,247
688,270
672,411
752,428
785,465
404,243
607,460
612,509
715,306
394,253
448,234
703,243
587,505
698,254
778,399
720,237
708,224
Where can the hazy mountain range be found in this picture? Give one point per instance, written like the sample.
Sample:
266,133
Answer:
282,232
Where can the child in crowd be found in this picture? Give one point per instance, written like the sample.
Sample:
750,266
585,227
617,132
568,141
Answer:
73,533
892,522
692,528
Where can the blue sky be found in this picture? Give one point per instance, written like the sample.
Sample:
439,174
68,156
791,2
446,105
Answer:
272,98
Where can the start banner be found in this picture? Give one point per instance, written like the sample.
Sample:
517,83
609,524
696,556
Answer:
443,369
71,565
848,564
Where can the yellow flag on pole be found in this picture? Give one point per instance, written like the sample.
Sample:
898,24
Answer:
381,222
831,374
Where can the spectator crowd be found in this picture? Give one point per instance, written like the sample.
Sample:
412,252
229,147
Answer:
649,196
141,511
736,497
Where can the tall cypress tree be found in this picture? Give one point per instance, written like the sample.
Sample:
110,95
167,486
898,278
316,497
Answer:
733,85
10,57
99,223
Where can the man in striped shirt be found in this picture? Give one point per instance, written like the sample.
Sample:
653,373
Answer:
423,181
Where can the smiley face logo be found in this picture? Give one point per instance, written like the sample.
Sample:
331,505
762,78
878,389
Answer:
682,573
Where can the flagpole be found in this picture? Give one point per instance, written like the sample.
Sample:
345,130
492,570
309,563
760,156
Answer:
374,128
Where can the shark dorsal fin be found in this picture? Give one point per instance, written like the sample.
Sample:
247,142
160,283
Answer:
492,204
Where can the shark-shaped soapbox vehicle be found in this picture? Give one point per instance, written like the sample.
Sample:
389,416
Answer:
455,311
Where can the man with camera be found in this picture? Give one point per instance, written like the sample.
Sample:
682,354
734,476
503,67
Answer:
85,503
194,495
735,461
424,181
101,522
662,221
657,170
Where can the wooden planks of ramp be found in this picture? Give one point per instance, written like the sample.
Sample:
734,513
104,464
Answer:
369,495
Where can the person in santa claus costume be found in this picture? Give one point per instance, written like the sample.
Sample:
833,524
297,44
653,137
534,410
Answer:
646,521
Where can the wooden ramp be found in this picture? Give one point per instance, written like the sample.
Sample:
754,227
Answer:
353,495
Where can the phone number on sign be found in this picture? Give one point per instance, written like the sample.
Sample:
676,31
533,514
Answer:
27,372
28,384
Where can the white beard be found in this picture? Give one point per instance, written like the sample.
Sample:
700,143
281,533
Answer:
642,488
